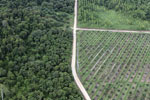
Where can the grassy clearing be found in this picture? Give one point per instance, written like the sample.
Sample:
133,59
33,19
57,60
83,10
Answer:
91,15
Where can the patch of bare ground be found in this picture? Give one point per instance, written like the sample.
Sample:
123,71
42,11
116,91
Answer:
95,66
100,91
95,89
134,73
146,73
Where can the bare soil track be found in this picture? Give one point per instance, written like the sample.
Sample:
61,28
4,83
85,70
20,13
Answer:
73,65
109,30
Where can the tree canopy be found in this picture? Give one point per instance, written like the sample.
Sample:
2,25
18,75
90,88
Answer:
35,50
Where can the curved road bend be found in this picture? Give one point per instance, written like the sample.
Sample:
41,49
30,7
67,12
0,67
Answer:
73,64
109,30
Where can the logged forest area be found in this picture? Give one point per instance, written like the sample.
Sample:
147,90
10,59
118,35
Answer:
114,66
113,49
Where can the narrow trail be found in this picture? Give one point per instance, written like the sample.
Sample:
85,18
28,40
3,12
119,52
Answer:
73,64
109,30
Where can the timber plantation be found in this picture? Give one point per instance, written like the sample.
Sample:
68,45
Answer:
114,14
110,64
114,65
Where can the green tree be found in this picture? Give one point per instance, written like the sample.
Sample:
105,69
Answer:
4,90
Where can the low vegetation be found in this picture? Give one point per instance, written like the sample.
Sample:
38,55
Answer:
114,66
114,14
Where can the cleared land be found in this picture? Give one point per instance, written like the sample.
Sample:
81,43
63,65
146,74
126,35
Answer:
113,14
114,66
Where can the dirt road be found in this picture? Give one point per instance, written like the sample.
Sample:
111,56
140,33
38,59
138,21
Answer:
73,64
108,30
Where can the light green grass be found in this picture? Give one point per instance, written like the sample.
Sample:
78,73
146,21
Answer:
110,19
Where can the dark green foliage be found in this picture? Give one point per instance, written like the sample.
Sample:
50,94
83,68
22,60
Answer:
35,49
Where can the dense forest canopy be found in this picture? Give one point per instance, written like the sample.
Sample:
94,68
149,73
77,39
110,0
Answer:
35,50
